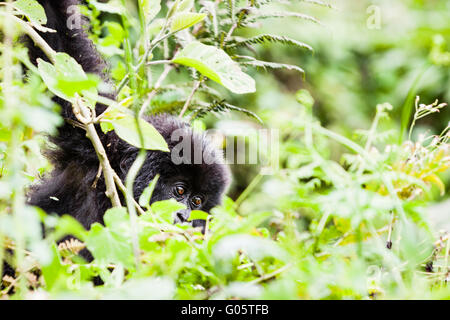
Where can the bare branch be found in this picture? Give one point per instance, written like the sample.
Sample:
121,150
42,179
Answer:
86,116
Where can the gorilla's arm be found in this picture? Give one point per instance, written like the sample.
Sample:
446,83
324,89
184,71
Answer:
71,37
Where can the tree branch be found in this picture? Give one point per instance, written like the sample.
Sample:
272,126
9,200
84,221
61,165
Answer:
85,116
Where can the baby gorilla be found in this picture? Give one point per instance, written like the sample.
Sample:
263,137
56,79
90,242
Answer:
69,189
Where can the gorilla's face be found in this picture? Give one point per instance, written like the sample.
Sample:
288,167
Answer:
197,186
192,173
186,187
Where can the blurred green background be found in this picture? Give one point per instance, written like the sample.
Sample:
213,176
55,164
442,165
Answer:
365,53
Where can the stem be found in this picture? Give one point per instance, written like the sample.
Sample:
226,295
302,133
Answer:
407,106
447,250
341,139
248,190
37,39
272,274
83,114
151,63
124,191
158,83
188,101
391,225
131,176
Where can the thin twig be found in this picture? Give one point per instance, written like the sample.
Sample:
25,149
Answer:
271,275
123,83
37,39
154,62
391,226
157,85
188,101
99,174
124,191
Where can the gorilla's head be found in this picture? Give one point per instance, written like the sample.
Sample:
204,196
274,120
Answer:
193,172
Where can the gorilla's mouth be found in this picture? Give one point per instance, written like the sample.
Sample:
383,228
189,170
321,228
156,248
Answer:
180,218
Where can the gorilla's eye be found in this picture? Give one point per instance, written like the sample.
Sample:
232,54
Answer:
180,190
197,201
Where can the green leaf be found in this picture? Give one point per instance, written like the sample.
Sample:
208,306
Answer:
304,97
32,10
108,246
198,215
185,20
106,126
166,208
150,8
127,129
117,219
68,225
66,78
54,273
144,199
215,64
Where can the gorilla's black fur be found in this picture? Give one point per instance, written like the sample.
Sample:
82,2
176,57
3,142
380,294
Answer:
68,188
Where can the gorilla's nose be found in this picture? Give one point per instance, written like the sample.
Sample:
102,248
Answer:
182,216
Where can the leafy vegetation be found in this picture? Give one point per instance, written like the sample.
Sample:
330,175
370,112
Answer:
344,216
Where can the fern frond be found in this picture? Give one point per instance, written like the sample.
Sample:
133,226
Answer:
168,100
71,247
269,38
320,3
230,5
272,65
220,107
259,3
283,15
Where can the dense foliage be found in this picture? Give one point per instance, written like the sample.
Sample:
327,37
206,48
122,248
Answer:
345,215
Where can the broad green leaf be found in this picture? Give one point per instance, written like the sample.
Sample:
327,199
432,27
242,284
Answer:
68,225
166,208
66,78
118,220
144,199
198,215
55,273
116,34
106,126
185,20
108,246
32,10
127,129
215,64
150,8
